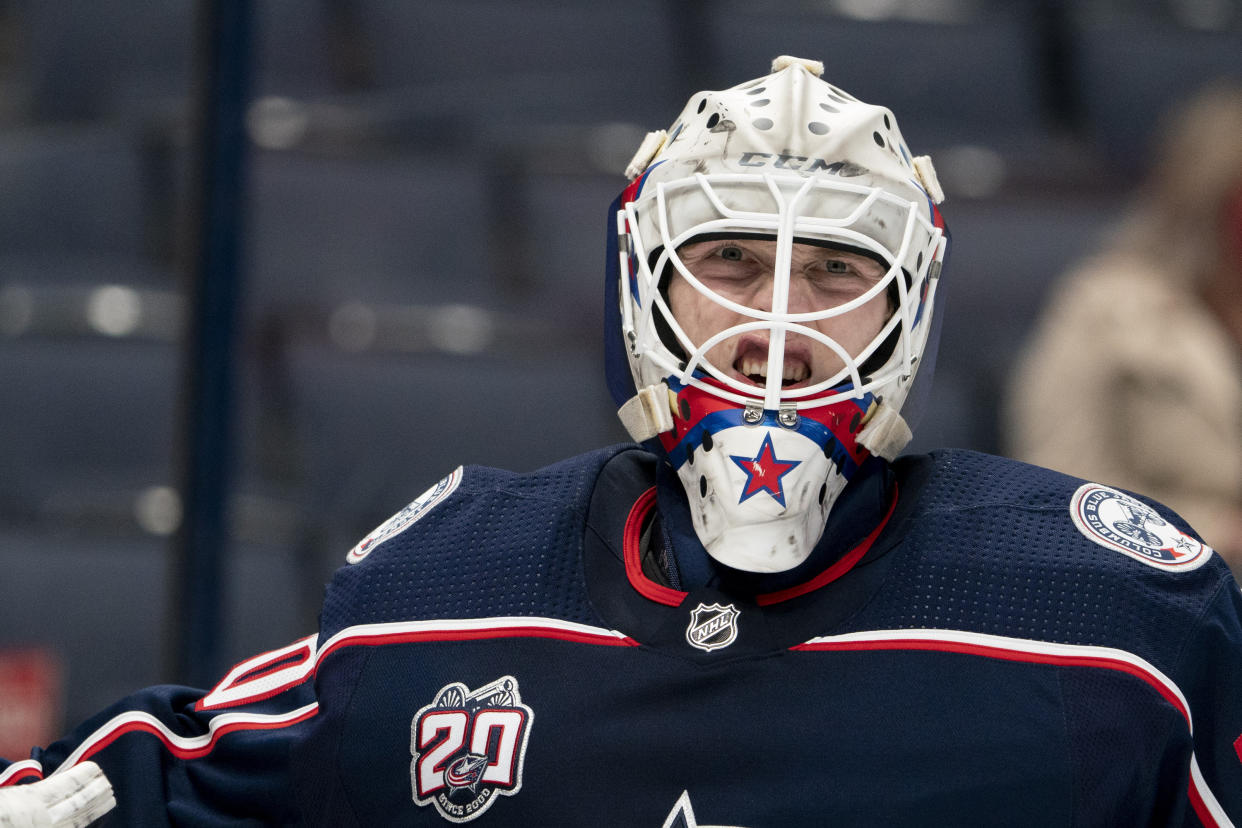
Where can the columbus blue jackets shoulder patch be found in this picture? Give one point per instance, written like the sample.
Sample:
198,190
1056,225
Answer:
407,517
1118,521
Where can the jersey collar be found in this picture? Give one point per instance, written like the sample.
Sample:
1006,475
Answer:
624,506
639,522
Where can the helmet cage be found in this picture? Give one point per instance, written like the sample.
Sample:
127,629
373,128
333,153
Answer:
865,218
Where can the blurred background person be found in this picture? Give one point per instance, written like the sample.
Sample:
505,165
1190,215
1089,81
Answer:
1133,377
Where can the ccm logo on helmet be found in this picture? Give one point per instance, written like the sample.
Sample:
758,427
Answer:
845,169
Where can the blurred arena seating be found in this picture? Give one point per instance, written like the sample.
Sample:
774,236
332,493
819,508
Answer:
402,228
72,188
929,69
1135,61
101,60
426,208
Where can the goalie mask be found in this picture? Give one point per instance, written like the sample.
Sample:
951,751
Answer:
776,265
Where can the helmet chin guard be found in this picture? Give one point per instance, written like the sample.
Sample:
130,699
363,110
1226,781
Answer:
790,164
759,482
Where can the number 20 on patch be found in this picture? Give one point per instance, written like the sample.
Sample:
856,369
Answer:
468,748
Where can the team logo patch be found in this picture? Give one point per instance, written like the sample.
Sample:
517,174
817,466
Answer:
712,626
764,472
468,748
1118,521
406,518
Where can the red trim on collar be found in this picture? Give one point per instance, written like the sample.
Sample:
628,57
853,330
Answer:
836,570
631,543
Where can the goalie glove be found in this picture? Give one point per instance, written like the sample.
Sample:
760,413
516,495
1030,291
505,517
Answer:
73,799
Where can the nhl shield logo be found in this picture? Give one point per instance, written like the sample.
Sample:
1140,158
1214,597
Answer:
712,626
1117,521
468,747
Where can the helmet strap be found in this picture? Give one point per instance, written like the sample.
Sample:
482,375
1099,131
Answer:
648,413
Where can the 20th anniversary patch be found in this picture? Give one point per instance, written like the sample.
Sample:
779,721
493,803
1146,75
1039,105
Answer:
1117,521
468,748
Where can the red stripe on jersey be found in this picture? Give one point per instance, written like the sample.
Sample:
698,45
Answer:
1037,652
452,633
1003,653
15,773
1201,808
197,746
176,746
271,674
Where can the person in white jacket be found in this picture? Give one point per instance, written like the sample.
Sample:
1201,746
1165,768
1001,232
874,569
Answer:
1133,375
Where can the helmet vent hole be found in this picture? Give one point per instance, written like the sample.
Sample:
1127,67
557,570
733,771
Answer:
702,486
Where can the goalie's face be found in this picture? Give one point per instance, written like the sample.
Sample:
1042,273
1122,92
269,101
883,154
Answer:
741,271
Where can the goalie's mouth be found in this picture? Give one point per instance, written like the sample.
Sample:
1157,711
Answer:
751,364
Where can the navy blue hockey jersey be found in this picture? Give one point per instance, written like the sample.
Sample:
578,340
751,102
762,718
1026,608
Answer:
1006,646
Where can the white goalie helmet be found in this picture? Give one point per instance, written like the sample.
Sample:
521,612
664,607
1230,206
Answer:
766,398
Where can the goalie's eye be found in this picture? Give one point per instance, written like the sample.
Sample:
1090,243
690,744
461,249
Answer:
731,253
837,266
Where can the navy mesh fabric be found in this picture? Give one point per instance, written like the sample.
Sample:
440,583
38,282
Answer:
502,544
990,548
1129,751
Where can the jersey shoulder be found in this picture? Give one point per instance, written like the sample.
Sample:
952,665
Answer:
1030,512
996,546
481,542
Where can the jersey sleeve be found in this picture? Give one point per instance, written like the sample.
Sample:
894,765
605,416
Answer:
180,756
1209,674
